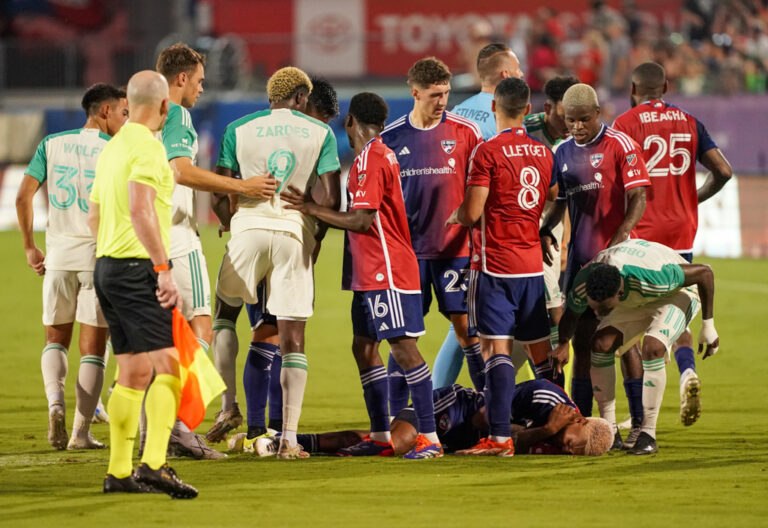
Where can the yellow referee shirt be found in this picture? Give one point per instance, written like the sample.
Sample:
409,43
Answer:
133,154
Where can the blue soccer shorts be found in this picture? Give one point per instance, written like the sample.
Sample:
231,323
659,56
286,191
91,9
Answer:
386,314
448,278
507,307
257,312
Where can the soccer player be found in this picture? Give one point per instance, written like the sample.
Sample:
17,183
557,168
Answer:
184,70
640,290
130,217
602,178
509,179
380,267
261,373
67,161
433,148
548,423
271,242
672,142
495,62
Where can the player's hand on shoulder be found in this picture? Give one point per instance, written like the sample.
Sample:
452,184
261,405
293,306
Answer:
36,260
167,293
708,336
560,416
296,199
558,357
260,186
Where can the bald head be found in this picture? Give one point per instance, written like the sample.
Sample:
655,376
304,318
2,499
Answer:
649,81
147,88
580,95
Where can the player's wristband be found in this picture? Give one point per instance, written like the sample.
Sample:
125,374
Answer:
165,266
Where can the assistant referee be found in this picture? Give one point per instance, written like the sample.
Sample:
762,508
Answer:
130,217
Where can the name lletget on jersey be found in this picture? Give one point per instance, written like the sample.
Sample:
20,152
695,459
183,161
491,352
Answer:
513,151
669,115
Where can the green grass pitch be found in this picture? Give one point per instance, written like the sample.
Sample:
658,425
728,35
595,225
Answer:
712,474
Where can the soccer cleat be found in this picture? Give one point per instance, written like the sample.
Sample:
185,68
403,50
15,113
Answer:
690,399
184,443
89,442
288,452
226,421
57,430
487,447
618,444
629,443
129,484
368,447
645,445
424,448
235,442
100,415
164,479
263,445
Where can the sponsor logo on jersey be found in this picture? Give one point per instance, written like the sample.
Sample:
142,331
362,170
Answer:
448,145
598,177
632,159
596,159
383,327
404,151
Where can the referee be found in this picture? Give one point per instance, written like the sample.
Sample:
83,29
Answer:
130,217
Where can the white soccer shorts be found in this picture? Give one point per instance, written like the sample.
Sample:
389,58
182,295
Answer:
69,296
278,256
552,274
665,319
190,272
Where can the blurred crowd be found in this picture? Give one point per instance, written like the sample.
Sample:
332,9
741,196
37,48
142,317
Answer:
710,47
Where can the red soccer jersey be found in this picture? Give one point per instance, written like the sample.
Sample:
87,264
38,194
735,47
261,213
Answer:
382,258
517,170
671,140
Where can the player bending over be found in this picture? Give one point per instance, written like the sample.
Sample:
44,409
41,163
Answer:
380,267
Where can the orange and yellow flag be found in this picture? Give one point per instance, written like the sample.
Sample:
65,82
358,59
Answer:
200,382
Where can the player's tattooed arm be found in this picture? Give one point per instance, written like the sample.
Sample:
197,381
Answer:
471,209
357,220
26,214
703,277
720,172
635,210
548,240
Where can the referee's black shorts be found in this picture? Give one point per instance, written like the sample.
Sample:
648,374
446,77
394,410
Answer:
126,290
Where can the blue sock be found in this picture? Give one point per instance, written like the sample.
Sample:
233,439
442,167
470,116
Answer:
276,394
544,371
581,394
308,442
633,388
499,392
448,362
398,387
685,359
256,381
476,366
375,392
420,386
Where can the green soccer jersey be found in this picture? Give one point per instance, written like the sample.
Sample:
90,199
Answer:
180,141
67,161
291,146
536,128
650,271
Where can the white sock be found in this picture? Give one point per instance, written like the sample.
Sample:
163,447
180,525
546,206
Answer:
224,357
90,380
432,437
654,382
381,436
603,375
290,438
54,366
293,378
499,439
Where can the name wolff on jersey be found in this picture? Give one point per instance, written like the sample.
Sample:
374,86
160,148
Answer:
669,115
81,150
514,151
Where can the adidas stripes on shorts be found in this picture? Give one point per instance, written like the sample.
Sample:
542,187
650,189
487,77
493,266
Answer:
386,314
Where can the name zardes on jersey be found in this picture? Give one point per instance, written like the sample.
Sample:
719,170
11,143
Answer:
282,131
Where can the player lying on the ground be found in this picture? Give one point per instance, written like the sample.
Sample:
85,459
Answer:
548,423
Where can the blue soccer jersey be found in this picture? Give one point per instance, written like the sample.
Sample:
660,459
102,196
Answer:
433,170
455,406
478,110
534,400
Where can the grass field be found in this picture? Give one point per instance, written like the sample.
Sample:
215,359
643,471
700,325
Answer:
712,474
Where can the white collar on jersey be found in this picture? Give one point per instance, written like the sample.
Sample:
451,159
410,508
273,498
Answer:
419,128
597,136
